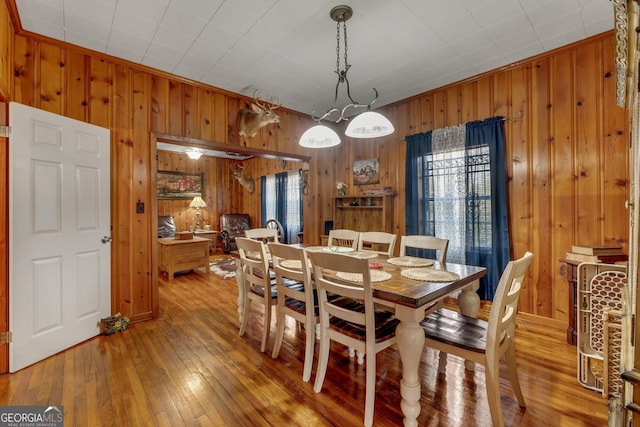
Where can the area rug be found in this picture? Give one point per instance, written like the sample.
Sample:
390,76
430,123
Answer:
224,267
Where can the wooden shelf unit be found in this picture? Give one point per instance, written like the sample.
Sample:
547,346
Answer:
363,213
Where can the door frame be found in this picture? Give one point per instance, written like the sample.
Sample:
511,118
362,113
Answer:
4,238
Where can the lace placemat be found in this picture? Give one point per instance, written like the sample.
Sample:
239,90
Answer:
256,256
410,261
364,254
376,276
429,275
293,264
314,248
338,249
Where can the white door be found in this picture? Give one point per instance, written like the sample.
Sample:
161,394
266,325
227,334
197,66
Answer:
59,228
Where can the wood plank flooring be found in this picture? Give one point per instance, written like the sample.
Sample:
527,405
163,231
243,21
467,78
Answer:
190,367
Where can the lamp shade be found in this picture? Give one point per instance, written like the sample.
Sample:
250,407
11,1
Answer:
197,202
369,125
319,136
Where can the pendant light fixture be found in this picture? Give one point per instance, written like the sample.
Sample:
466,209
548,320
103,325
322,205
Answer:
368,124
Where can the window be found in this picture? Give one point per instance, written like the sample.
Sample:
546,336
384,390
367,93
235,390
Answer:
456,189
443,208
282,200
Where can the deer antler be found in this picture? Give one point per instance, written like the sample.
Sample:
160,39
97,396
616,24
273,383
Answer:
271,104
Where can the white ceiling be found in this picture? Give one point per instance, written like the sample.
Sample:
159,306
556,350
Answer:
287,48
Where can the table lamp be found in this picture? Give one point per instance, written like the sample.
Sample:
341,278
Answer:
197,203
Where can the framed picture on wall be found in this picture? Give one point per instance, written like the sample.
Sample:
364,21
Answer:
179,185
366,172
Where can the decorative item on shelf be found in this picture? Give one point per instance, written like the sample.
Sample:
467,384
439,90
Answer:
183,235
378,191
342,187
596,249
368,124
197,203
596,253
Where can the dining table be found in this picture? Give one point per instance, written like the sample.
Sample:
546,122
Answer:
412,288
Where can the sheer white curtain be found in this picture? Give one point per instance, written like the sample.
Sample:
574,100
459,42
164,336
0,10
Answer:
448,191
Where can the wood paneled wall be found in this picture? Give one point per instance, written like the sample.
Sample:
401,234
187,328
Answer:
567,150
220,188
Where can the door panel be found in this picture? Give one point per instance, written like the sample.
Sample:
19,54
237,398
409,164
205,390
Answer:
59,275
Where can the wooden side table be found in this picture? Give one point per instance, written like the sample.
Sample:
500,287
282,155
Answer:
211,235
569,270
180,255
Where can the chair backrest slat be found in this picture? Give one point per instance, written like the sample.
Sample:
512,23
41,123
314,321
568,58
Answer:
425,242
505,302
325,266
281,252
346,238
265,235
380,242
254,262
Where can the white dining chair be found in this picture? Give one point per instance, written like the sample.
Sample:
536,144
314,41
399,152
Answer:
438,244
377,241
484,342
296,298
266,235
257,284
350,318
345,238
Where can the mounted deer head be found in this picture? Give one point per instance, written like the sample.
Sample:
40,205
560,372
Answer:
237,169
255,116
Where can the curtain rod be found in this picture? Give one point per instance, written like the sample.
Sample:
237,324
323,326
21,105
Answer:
517,116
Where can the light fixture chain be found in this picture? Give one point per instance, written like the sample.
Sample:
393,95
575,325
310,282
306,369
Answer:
338,48
341,14
344,28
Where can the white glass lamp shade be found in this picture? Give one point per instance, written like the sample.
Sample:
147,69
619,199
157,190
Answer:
197,202
319,136
369,125
194,153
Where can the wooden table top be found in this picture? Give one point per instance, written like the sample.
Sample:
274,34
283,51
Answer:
174,241
417,293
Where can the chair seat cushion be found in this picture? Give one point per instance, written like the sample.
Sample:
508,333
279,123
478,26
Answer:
301,306
451,327
259,290
385,321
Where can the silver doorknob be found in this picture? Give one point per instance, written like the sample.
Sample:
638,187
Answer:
106,239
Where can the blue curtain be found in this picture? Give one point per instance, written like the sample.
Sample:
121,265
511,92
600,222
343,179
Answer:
496,256
281,199
264,200
418,216
486,241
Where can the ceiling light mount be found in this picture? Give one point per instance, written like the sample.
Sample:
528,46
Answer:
375,125
194,153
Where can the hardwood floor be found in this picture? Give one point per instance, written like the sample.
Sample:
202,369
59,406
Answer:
190,367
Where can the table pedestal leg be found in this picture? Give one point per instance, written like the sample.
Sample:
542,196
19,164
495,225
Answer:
410,341
469,302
